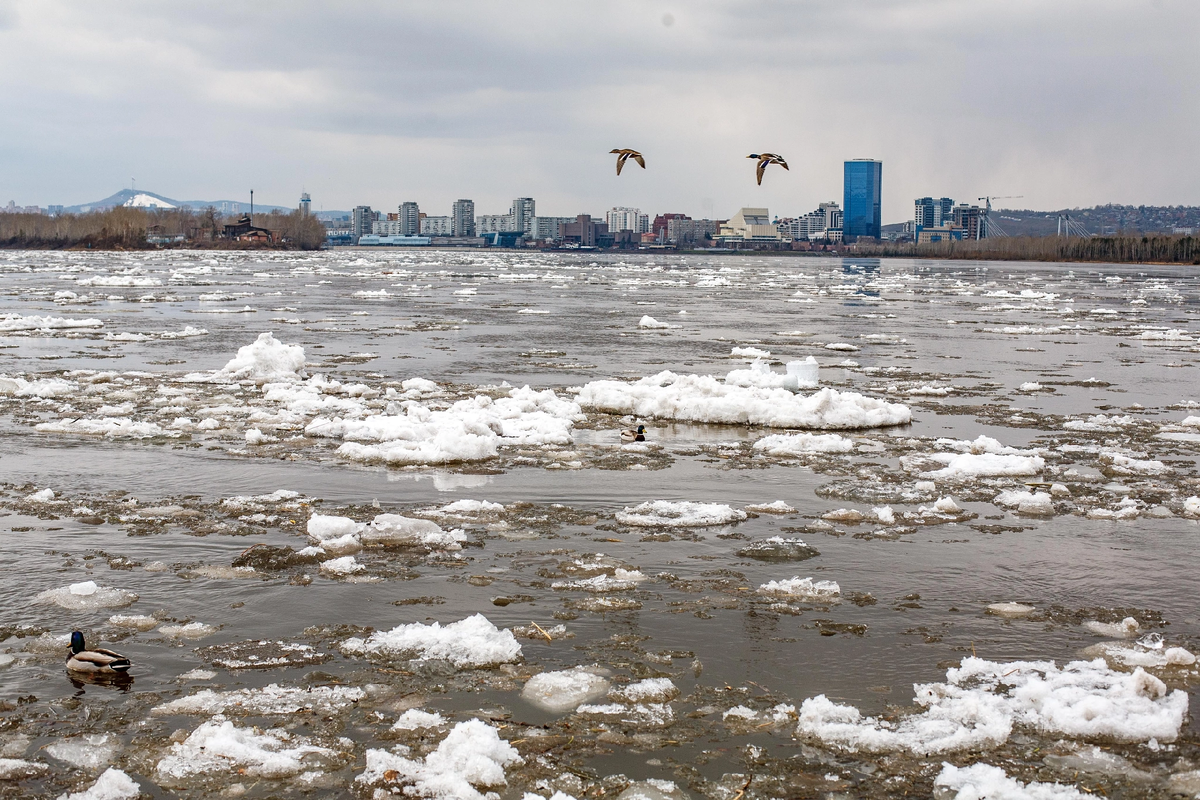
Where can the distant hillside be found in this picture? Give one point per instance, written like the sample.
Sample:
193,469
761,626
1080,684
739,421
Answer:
1107,220
143,199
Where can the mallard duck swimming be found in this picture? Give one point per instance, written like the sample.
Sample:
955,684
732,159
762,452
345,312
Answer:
624,154
767,158
96,661
630,435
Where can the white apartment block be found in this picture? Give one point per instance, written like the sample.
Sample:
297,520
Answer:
627,219
437,226
494,223
543,228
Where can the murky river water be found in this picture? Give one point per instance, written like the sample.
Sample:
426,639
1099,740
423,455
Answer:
1088,370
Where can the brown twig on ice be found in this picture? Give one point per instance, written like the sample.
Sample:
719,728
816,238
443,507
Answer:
549,638
742,790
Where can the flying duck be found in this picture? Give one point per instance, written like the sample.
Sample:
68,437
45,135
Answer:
767,158
630,435
624,155
96,661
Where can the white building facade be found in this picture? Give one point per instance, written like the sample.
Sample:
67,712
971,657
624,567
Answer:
627,219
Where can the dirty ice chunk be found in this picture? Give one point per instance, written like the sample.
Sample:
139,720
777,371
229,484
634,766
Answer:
1124,629
1033,503
272,700
113,784
564,690
415,719
797,588
397,530
90,751
219,746
667,514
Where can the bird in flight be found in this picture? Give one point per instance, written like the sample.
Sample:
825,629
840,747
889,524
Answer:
624,154
767,158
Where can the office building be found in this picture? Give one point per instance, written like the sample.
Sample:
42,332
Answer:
861,199
931,213
305,204
685,231
437,226
362,221
583,232
410,219
464,218
814,224
522,214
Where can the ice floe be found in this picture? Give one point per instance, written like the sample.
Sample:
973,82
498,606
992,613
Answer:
797,588
271,700
565,690
701,398
220,747
470,642
414,719
982,702
668,514
800,444
797,375
267,359
1032,503
86,596
16,323
985,782
472,756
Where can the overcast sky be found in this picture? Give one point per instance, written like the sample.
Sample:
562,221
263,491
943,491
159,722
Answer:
1066,102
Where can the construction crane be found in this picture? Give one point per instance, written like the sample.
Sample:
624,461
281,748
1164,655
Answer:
990,228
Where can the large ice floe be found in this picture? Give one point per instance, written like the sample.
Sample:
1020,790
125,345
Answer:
86,596
270,700
219,747
469,430
266,359
470,642
668,514
703,398
565,690
985,782
16,323
982,702
472,756
113,784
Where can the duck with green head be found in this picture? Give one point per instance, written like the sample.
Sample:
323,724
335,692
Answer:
95,660
630,435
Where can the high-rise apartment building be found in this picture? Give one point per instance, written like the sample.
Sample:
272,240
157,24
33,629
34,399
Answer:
361,221
464,217
410,219
627,219
861,196
493,223
522,214
305,204
437,226
970,219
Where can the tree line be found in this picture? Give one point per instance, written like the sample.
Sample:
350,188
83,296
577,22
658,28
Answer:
1112,249
128,228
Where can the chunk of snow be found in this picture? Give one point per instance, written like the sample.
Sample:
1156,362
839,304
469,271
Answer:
749,352
1035,504
797,375
668,514
113,784
322,527
564,690
44,496
778,507
346,565
648,690
985,782
1114,630
651,323
885,515
700,398
396,530
192,630
799,444
267,359
271,700
13,323
470,642
1191,506
966,466
472,755
982,701
218,746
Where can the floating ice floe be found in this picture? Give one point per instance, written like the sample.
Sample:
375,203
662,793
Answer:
15,323
470,642
113,784
272,700
565,690
192,630
749,353
982,702
14,769
89,751
469,430
1127,465
985,782
43,388
86,596
1100,423
345,565
799,444
108,427
797,375
218,746
265,360
621,581
967,466
702,398
1124,629
778,507
1032,503
417,720
797,588
472,755
1010,610
42,496
1191,506
651,323
396,530
668,514
777,548
648,690
1148,653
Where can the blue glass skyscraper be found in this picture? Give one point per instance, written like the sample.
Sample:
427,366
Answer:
860,195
